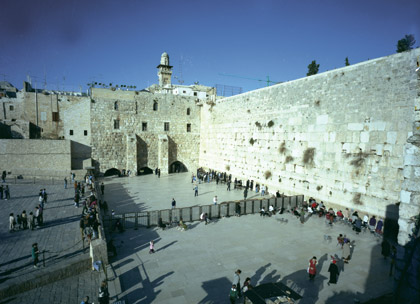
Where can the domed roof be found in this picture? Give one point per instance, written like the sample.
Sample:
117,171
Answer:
164,59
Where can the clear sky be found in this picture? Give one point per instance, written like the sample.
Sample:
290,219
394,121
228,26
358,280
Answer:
70,43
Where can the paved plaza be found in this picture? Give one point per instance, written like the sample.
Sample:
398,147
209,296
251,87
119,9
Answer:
197,265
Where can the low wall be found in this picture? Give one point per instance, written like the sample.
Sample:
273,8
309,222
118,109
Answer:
35,157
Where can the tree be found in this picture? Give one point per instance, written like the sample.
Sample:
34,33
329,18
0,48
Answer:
347,61
313,68
406,43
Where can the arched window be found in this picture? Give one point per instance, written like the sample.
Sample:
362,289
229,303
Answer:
188,111
155,106
116,105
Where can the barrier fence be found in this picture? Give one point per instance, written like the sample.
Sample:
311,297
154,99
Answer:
191,214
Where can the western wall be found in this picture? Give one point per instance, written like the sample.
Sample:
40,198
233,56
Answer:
348,137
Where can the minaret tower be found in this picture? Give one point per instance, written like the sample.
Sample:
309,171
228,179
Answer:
165,70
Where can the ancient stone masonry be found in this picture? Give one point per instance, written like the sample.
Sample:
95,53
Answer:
131,129
345,137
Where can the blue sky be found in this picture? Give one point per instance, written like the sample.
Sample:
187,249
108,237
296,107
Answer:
70,43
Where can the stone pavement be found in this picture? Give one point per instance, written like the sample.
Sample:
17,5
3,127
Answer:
197,266
60,237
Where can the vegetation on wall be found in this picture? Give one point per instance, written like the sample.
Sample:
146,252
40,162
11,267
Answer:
358,159
252,141
318,188
357,199
282,148
313,68
308,156
258,125
227,167
288,159
267,174
270,124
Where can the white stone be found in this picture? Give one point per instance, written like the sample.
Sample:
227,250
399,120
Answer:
322,119
364,137
355,126
391,137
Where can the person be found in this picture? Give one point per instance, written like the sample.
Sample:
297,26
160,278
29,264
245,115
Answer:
151,247
31,220
182,225
12,222
379,226
346,251
85,300
195,190
312,268
233,294
262,212
238,209
245,193
102,188
347,214
271,210
173,203
340,214
215,200
204,217
365,220
247,285
19,222
161,224
3,176
103,297
357,225
1,191
159,173
7,193
72,175
228,185
372,223
65,183
35,254
333,270
262,190
302,216
340,240
24,219
237,281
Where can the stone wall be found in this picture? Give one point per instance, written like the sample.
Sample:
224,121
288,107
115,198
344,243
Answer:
129,146
49,158
339,136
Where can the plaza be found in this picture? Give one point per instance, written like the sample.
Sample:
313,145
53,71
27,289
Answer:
197,265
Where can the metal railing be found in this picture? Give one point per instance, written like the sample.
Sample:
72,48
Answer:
190,214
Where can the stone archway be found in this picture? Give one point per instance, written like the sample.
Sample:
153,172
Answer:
144,171
112,171
177,167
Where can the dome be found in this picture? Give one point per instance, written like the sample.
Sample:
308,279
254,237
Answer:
164,59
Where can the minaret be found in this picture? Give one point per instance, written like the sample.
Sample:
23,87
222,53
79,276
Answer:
165,70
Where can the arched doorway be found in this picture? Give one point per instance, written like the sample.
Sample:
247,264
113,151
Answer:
111,172
144,171
177,167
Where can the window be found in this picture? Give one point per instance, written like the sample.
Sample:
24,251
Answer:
85,132
116,123
195,93
188,111
166,126
188,127
55,116
116,106
155,106
144,126
11,108
71,132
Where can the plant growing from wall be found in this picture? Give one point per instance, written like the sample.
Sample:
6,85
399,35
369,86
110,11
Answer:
227,167
258,125
267,174
270,124
313,68
288,159
318,188
252,141
357,199
282,148
359,159
308,156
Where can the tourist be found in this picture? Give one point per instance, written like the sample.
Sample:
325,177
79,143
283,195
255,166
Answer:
372,223
247,285
195,190
35,254
233,294
215,200
24,219
7,193
103,297
237,281
262,190
365,220
346,251
31,220
85,300
333,270
228,185
238,209
65,183
302,216
312,268
3,176
12,222
102,188
152,247
173,203
379,226
245,193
